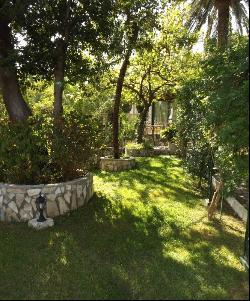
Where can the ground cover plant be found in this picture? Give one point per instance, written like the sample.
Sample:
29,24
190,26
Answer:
144,235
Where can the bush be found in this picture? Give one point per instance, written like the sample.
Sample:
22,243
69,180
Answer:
134,145
168,134
145,145
127,128
213,113
36,151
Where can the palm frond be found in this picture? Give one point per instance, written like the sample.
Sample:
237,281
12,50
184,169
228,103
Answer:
200,9
211,23
240,13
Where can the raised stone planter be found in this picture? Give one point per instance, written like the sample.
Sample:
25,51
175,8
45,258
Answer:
17,202
110,164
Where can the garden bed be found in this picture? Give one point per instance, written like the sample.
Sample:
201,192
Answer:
17,202
111,164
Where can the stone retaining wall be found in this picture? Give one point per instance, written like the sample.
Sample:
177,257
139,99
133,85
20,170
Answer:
17,202
110,164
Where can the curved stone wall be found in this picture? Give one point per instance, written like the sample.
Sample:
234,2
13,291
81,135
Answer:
110,164
17,202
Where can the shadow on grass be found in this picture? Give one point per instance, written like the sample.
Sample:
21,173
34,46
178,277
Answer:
167,177
108,251
102,252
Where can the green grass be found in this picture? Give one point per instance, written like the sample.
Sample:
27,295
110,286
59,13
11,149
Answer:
145,235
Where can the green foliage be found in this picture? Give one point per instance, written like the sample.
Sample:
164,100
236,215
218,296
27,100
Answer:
134,145
202,12
213,112
38,152
127,128
78,26
145,145
168,134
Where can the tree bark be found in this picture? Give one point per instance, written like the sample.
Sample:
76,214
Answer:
59,70
215,200
59,79
119,85
153,122
141,125
117,102
17,108
223,22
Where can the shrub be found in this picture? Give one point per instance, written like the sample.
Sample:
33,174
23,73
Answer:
134,145
36,151
127,128
168,134
145,145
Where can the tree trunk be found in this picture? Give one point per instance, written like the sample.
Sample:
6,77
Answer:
141,126
59,70
117,101
223,22
59,79
215,200
153,122
17,108
119,85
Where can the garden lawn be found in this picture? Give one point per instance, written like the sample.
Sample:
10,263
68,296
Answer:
144,235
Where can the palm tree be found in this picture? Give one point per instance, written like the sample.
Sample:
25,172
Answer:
219,12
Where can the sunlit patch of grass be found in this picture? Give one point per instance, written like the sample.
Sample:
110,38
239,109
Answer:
144,235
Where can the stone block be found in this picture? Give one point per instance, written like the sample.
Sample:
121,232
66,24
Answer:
33,192
67,196
27,199
48,189
10,215
73,201
27,208
84,191
68,187
4,190
50,197
58,191
25,216
62,205
15,190
41,225
19,199
12,205
33,204
11,196
52,209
